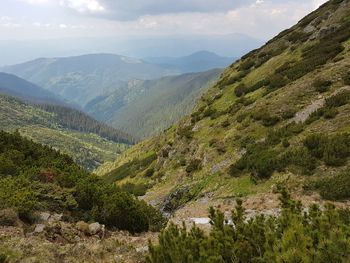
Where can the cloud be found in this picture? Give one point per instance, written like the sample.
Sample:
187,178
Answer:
83,6
36,2
133,9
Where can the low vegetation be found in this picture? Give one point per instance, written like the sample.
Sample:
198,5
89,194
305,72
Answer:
37,178
293,236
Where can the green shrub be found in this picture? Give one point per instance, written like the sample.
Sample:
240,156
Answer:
338,100
240,90
194,165
51,181
293,236
185,132
346,78
332,149
246,64
135,189
322,85
333,188
277,81
270,120
288,114
149,172
8,217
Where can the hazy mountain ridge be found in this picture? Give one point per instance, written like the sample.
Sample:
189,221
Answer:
258,125
196,62
144,108
82,78
15,86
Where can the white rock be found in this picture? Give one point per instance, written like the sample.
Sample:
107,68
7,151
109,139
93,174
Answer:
39,228
44,216
95,228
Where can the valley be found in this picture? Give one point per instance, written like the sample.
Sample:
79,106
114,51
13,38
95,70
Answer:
198,158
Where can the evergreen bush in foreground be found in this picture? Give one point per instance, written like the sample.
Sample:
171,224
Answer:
293,236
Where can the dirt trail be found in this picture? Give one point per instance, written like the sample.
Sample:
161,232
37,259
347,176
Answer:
302,115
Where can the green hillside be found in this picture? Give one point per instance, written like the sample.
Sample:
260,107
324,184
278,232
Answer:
35,178
79,79
280,114
89,148
145,108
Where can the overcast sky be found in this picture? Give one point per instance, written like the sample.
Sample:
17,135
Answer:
42,19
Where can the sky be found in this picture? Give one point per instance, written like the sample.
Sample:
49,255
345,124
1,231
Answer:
49,19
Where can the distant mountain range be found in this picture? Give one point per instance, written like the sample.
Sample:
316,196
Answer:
196,62
15,86
82,78
144,108
141,97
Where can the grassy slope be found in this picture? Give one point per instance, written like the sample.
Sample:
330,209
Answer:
228,128
89,150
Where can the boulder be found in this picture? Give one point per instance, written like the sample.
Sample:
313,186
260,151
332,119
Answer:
44,216
95,228
39,228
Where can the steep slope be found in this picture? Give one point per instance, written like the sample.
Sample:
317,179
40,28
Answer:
15,86
87,141
145,108
278,114
82,78
196,62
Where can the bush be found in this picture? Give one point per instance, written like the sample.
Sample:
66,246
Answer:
346,78
8,217
332,149
293,236
135,189
270,120
149,172
333,188
322,85
240,90
194,165
246,64
50,181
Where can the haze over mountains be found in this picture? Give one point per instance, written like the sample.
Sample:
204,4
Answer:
19,51
15,86
141,97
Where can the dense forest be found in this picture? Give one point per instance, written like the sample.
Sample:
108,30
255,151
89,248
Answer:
37,178
77,120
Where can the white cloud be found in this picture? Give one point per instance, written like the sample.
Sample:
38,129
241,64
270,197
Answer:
83,6
37,2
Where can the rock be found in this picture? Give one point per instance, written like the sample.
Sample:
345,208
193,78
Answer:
56,217
39,228
44,216
142,249
309,29
96,228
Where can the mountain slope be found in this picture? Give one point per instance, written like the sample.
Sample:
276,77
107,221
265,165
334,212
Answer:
278,114
196,62
144,108
82,78
90,143
15,86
